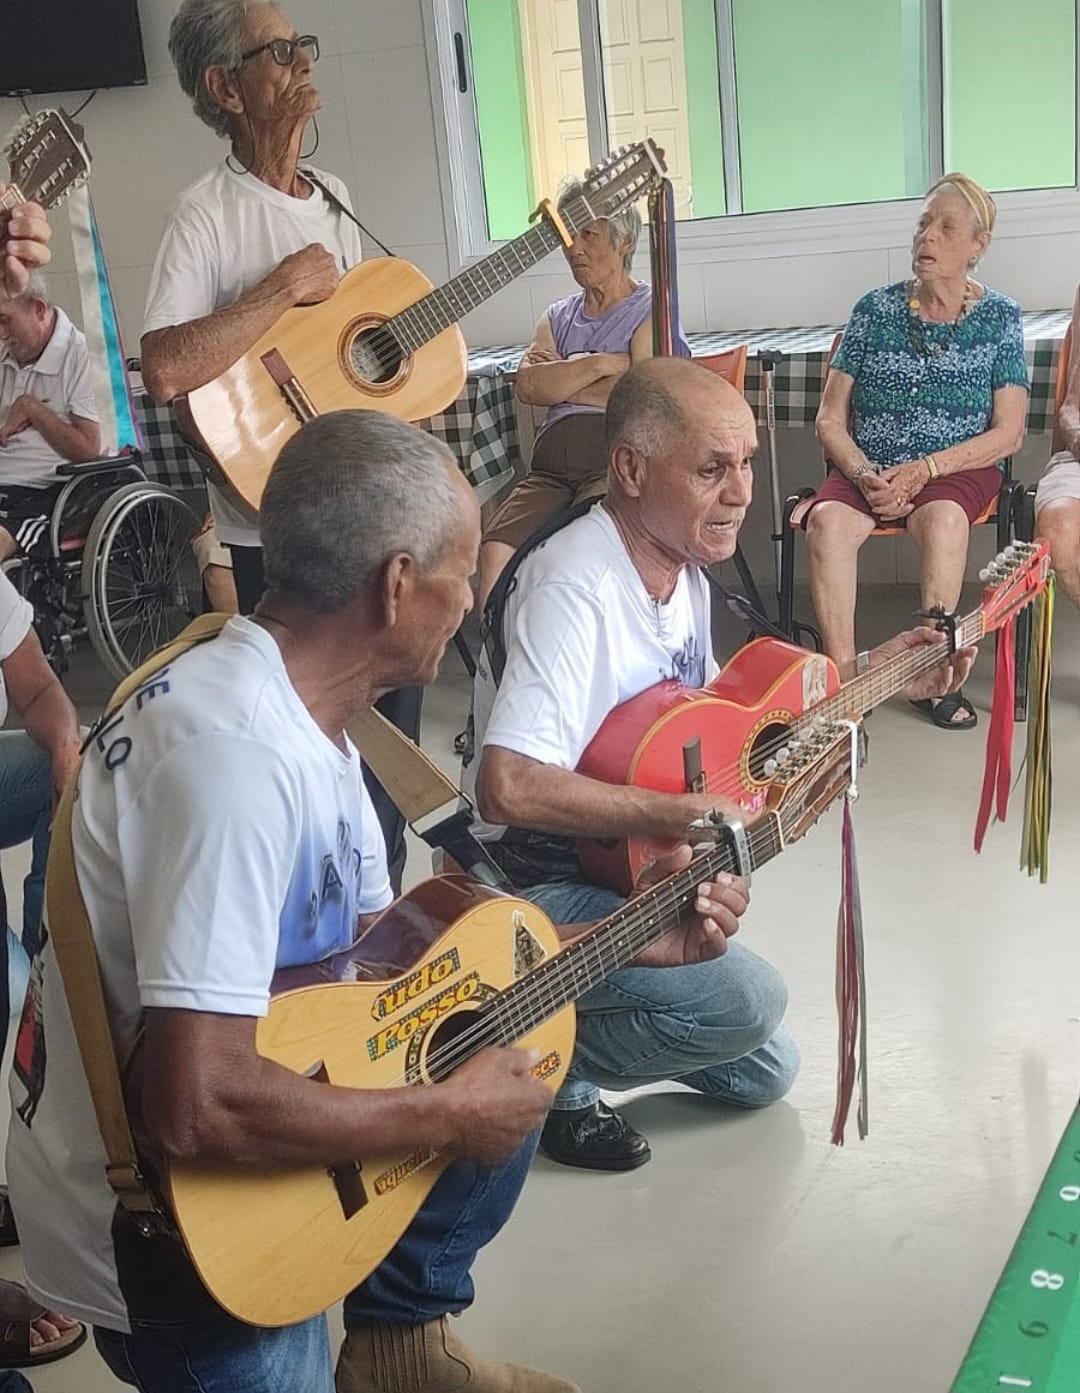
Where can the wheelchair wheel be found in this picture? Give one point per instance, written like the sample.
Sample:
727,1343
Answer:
140,580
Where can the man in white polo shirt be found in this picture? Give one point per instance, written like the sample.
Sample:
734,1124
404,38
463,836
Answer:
47,412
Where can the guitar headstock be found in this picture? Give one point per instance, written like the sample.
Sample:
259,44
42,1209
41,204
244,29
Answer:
1013,579
48,157
623,177
815,774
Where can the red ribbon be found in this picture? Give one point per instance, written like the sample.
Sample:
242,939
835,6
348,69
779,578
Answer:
997,775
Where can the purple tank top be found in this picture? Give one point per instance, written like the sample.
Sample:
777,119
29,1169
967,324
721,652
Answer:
576,332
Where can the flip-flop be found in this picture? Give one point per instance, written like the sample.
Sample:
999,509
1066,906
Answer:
942,710
18,1311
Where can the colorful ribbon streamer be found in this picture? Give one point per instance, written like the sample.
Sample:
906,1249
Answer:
112,391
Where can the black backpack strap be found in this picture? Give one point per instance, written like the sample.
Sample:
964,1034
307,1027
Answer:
491,624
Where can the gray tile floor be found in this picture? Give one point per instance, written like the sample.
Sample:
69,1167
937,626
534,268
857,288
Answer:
750,1255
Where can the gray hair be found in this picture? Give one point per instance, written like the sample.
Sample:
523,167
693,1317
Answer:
208,34
348,491
625,223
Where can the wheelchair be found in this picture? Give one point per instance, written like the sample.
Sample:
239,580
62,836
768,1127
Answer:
117,566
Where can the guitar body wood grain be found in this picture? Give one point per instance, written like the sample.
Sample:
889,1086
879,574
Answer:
276,1247
243,416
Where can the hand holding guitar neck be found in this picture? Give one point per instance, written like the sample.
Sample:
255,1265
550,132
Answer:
950,675
717,910
495,1103
25,234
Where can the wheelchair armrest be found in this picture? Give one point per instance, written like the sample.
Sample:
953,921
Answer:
72,470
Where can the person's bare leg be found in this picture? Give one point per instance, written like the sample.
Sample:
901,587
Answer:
834,534
493,557
941,530
1059,523
8,545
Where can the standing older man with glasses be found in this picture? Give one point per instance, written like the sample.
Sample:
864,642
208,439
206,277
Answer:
255,236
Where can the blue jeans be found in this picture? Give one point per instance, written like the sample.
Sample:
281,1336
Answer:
219,1355
427,1275
25,814
715,1026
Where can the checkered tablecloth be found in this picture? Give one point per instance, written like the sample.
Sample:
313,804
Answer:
800,374
481,427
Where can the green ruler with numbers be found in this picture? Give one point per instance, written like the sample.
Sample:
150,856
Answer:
1029,1339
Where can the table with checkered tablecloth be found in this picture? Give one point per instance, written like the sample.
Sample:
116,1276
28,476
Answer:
481,426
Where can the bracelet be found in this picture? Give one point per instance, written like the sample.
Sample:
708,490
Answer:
862,661
932,465
862,469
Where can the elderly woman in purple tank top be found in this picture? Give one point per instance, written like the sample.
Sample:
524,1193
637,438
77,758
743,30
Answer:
580,349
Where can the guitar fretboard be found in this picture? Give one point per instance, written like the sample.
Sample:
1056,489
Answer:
614,943
420,323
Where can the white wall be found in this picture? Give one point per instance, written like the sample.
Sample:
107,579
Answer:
379,133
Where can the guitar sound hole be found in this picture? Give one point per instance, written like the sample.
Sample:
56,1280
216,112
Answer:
375,355
447,1047
767,744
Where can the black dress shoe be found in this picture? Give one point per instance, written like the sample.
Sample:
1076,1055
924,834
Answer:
594,1138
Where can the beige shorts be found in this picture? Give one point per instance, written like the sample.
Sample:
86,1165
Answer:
1060,480
209,551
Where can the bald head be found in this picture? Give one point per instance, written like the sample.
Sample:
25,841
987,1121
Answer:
654,404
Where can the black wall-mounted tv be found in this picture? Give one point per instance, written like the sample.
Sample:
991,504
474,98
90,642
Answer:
69,45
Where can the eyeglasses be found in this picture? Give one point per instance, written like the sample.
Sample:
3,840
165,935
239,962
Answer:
283,51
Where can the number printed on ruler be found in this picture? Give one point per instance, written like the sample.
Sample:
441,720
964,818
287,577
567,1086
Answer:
1049,1287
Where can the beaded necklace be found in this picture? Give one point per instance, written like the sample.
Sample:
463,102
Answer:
928,348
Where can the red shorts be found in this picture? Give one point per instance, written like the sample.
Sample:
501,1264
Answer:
973,489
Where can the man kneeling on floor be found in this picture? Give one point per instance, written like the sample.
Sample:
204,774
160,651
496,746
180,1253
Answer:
228,834
607,607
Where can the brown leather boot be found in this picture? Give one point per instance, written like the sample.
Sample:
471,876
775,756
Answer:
429,1359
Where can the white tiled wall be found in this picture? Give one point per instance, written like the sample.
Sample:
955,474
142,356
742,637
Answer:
378,132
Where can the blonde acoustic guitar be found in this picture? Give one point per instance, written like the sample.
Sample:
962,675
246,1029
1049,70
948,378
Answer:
452,967
386,340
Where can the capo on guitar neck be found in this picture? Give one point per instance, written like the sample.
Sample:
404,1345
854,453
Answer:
546,209
944,623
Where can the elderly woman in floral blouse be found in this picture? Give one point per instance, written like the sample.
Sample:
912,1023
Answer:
926,394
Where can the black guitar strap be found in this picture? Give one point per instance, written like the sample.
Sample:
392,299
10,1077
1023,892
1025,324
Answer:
340,207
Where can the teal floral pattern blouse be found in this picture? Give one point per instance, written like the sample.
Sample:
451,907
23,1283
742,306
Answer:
906,404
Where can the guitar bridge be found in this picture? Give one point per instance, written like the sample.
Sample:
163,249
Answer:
349,1186
290,386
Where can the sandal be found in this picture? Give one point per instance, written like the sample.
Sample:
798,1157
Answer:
18,1311
941,711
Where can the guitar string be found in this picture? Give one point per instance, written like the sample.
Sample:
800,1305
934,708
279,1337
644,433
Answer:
644,918
842,704
384,341
877,686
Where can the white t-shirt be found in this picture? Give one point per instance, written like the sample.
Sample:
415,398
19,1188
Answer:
582,636
16,616
219,835
227,232
61,379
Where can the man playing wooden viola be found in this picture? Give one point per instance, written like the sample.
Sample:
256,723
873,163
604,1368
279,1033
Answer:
609,606
222,832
